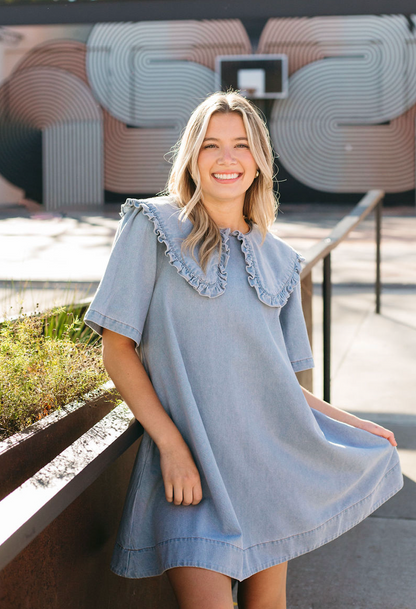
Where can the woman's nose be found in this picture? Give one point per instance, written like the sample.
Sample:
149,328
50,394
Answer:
226,155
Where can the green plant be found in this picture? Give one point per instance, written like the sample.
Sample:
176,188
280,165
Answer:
68,321
47,360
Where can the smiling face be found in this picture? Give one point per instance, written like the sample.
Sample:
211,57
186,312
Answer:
226,165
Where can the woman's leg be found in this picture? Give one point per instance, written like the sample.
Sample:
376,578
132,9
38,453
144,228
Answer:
195,587
264,590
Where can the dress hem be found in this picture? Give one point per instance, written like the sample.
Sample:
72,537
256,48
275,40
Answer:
239,563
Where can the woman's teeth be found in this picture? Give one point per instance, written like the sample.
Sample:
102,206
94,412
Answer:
226,176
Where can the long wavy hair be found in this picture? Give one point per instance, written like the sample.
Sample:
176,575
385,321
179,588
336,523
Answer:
184,182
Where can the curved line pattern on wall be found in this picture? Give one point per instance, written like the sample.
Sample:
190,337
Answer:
71,57
51,143
148,72
149,76
66,55
45,96
348,124
127,152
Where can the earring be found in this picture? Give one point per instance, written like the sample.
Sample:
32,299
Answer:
258,173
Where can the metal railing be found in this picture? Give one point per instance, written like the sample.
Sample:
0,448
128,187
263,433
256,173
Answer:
373,200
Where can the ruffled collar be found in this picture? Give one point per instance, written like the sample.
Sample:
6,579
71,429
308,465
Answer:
273,268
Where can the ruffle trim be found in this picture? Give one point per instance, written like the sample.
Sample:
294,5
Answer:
281,297
199,283
198,280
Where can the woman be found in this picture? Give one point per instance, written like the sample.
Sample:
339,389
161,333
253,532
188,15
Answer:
239,469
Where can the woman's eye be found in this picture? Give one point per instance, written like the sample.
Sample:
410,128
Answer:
214,146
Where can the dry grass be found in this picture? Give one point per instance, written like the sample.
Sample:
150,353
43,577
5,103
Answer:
47,360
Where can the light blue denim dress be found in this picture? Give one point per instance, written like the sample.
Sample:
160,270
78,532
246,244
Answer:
278,478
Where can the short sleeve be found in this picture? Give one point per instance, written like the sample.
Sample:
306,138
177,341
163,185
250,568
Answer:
123,297
295,333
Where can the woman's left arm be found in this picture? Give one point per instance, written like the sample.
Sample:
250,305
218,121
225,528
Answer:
346,417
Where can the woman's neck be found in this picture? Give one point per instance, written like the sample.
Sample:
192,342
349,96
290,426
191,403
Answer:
227,216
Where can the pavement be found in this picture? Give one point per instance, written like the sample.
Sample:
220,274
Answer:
57,258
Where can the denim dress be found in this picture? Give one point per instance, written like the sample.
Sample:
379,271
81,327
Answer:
221,348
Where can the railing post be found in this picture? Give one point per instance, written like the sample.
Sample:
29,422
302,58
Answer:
305,377
378,211
326,292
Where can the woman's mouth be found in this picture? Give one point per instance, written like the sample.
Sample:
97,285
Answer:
226,178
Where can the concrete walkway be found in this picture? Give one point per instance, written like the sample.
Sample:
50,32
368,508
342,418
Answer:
372,566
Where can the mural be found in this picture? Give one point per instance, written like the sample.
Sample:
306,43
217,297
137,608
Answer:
85,122
348,124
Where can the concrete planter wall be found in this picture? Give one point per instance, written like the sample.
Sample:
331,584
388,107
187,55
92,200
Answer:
25,453
63,483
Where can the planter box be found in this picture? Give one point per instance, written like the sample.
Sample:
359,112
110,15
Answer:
24,453
63,483
58,528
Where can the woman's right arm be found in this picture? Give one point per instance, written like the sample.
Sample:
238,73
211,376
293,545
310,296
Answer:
180,474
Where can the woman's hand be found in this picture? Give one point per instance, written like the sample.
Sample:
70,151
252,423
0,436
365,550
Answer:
180,475
347,417
378,430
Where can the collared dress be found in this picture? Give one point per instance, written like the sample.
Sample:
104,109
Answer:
221,348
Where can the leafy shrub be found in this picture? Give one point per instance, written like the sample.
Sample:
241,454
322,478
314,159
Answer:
47,360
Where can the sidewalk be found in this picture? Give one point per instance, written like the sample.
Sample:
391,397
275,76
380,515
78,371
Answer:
372,566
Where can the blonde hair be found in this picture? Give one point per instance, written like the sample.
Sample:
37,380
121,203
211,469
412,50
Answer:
184,182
